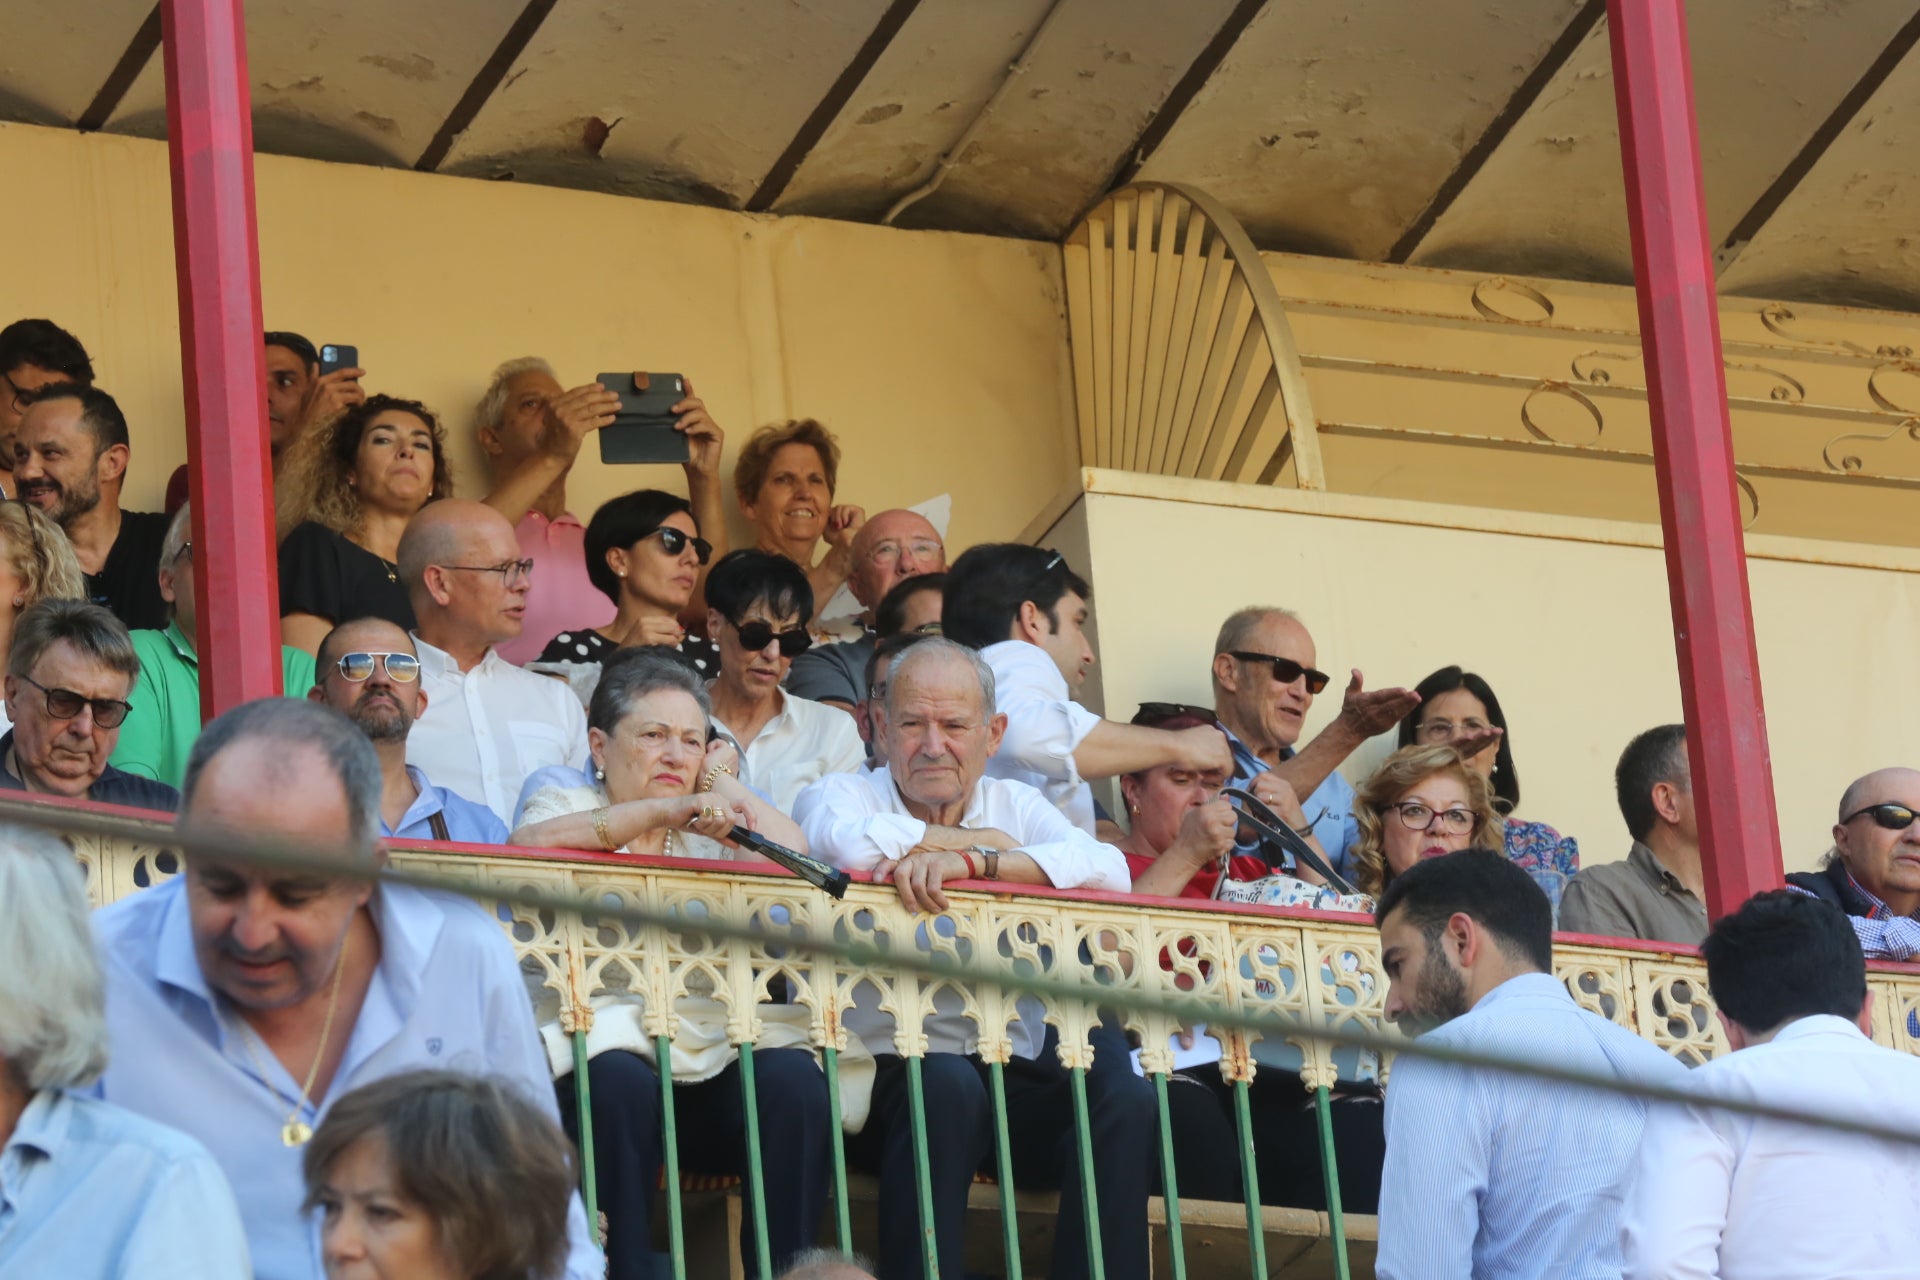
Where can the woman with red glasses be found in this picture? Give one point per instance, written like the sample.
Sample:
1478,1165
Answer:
758,605
645,554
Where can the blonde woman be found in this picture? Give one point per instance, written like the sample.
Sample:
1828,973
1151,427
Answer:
1421,802
346,494
36,563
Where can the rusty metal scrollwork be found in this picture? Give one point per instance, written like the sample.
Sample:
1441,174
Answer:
1499,287
1880,397
1852,464
1775,317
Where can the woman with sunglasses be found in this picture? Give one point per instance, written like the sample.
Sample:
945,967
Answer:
758,605
645,554
663,787
36,563
1458,708
1421,802
345,495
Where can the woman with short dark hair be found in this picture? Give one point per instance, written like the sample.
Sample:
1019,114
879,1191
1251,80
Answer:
436,1175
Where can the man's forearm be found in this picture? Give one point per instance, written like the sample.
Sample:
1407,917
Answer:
513,495
1314,763
1113,749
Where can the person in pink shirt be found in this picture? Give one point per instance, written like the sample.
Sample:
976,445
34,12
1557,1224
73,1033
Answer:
531,431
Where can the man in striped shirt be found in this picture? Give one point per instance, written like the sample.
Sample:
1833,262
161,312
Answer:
1490,1174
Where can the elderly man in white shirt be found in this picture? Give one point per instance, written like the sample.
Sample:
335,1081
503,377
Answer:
927,819
1745,1198
1025,610
488,725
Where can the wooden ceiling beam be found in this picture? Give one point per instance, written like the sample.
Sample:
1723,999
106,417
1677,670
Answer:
1498,128
1181,96
492,72
132,62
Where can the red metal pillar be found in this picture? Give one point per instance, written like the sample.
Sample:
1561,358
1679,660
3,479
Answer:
216,260
1693,452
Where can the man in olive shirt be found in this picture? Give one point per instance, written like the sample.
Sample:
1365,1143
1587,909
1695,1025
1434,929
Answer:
1657,894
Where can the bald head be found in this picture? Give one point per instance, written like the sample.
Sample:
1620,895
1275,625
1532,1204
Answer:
1882,786
460,561
362,635
445,532
890,547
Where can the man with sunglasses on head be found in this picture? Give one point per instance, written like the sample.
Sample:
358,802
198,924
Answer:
1025,610
1264,683
1658,892
369,671
160,730
68,674
34,354
1873,870
488,725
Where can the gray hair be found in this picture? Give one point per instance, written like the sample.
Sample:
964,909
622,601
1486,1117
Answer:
91,630
826,1264
1239,627
633,674
933,649
53,1022
288,723
492,409
178,530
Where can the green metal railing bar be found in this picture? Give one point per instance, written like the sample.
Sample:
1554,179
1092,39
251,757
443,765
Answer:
1089,1190
1003,1168
1330,1171
670,1151
922,1171
842,1214
756,1184
583,1106
1250,1179
1169,1186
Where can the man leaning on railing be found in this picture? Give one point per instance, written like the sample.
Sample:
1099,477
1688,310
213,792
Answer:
928,818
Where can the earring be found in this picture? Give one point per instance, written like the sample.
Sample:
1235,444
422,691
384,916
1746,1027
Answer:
19,602
1133,809
599,774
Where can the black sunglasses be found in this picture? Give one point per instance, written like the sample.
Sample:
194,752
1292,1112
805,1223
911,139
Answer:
1153,714
1286,670
65,704
673,542
757,635
1894,817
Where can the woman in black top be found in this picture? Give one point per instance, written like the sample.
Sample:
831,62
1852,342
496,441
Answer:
645,554
348,494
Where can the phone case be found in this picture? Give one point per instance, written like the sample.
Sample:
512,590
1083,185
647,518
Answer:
642,431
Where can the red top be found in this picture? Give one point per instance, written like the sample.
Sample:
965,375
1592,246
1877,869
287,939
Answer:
1244,866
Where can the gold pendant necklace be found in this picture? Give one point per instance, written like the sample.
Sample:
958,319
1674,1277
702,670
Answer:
297,1132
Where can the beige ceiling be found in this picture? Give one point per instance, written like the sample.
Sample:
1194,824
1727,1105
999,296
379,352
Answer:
1472,133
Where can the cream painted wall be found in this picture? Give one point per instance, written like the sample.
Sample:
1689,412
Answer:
1573,633
939,360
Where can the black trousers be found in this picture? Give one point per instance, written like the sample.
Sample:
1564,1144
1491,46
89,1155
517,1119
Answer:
1286,1142
1123,1119
710,1122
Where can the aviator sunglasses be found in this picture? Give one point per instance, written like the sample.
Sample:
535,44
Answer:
1894,817
1286,670
757,635
402,668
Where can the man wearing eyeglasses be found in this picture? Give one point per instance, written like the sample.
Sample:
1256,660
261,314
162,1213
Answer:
68,673
34,354
1873,870
369,671
487,724
887,550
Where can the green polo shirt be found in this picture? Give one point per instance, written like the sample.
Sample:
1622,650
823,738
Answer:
159,731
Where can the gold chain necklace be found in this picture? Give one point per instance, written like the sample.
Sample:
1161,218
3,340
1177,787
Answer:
297,1132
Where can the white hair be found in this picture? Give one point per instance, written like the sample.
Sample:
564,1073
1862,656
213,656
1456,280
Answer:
492,409
53,1022
937,647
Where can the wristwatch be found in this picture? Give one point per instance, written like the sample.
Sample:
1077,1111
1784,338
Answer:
989,857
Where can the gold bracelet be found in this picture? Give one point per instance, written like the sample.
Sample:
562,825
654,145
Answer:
713,775
600,828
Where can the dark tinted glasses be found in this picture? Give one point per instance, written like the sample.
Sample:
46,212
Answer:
1894,817
1286,670
673,542
402,668
65,704
1154,714
757,635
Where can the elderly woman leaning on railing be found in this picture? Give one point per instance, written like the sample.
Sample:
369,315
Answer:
659,787
1181,845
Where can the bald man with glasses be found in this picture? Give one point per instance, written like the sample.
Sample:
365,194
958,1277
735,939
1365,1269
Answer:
1873,870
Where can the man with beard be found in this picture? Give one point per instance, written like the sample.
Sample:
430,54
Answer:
369,671
70,460
1491,1174
244,999
34,354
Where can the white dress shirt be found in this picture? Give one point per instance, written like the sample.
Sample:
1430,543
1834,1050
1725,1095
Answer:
1045,726
486,729
1734,1196
447,994
859,820
1504,1177
803,743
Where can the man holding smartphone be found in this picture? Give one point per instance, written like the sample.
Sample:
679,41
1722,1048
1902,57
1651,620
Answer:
531,431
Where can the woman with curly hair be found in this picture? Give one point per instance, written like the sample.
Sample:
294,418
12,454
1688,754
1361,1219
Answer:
345,498
36,563
1421,802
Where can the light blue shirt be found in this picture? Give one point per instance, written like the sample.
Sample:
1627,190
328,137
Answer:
447,994
467,822
88,1189
1498,1176
1329,809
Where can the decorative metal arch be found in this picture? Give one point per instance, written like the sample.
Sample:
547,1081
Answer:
1184,363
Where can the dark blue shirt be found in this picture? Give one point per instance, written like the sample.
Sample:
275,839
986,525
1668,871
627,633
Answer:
113,786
